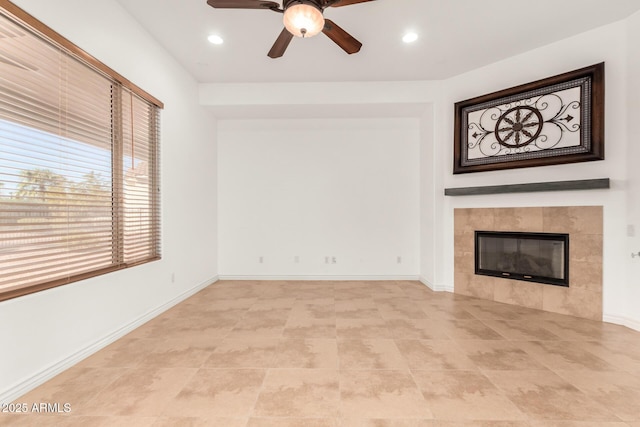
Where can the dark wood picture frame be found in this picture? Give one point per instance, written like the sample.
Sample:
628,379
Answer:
529,123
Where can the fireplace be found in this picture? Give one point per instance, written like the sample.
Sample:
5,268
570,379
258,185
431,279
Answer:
531,257
583,224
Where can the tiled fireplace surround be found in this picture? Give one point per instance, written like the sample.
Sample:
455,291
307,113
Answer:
583,297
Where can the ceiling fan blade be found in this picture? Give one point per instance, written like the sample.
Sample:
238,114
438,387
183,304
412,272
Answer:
281,44
341,37
243,4
341,3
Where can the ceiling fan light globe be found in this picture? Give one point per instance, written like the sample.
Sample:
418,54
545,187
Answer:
303,20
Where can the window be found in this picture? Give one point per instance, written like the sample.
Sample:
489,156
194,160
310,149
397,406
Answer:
79,178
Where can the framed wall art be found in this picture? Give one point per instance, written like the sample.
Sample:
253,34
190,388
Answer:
551,121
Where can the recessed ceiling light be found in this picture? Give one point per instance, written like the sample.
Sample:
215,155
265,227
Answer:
215,39
410,37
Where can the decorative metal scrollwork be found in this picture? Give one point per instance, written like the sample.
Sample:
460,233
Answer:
517,123
528,125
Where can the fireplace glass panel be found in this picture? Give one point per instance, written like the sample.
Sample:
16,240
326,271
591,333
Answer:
537,257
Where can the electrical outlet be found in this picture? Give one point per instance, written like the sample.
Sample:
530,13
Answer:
173,277
399,260
296,259
326,260
261,260
631,230
333,260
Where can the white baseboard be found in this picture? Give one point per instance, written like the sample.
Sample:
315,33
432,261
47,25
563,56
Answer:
318,278
427,283
621,320
421,279
45,375
435,288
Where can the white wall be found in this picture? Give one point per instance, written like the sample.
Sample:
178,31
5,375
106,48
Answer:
428,198
45,332
604,44
633,155
311,188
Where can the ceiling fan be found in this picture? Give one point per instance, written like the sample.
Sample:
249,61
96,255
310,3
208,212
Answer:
302,18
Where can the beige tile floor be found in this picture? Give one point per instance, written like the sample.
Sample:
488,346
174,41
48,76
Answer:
347,354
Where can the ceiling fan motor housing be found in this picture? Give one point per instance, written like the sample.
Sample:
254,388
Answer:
314,3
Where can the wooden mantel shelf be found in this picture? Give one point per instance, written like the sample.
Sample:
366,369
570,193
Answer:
583,184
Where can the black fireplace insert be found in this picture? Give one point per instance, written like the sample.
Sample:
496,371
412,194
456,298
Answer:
532,257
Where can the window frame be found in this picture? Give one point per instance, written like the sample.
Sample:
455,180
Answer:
13,12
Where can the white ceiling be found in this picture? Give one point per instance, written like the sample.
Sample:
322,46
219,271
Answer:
455,36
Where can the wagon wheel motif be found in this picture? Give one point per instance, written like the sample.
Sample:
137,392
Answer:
519,126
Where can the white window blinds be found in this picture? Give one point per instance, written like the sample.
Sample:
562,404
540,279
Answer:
79,178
